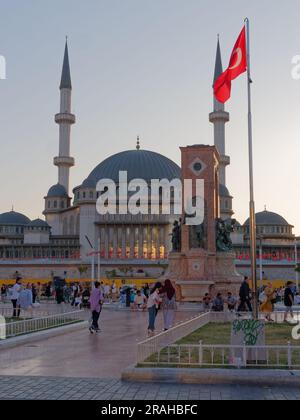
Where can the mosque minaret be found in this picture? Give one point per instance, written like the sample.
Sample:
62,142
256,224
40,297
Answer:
219,117
65,119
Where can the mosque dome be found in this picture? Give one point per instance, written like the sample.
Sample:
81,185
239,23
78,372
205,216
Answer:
57,190
38,223
266,218
13,218
141,164
224,192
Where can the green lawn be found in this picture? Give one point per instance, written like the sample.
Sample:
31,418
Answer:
218,334
276,334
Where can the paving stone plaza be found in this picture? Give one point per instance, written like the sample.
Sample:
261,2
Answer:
79,366
45,388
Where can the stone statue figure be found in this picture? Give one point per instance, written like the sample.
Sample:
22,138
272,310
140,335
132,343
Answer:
198,233
197,236
176,237
223,232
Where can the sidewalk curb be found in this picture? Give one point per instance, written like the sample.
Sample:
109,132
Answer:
41,335
256,377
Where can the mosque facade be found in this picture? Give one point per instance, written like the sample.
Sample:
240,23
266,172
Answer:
73,233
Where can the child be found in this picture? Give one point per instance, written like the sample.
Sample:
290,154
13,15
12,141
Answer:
140,302
78,301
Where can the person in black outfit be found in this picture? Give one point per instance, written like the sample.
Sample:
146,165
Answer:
289,299
34,293
245,296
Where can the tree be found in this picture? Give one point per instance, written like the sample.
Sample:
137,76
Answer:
82,270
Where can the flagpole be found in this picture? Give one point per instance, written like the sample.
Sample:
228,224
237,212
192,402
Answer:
251,180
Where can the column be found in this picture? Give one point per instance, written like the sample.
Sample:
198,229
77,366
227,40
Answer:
115,242
132,241
157,241
106,242
123,242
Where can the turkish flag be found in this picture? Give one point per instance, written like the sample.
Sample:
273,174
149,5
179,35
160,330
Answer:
237,66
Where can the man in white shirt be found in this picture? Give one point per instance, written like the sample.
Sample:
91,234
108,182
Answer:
15,296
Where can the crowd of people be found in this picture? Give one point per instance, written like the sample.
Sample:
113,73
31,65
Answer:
268,297
23,297
159,297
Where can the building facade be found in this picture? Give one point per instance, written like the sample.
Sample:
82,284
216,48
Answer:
74,233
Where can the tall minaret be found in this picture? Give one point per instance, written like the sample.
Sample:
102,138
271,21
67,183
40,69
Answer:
65,119
219,118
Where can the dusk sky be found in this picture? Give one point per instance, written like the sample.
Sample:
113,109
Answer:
145,67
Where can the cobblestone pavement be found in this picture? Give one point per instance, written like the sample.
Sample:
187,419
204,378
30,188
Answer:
102,356
43,388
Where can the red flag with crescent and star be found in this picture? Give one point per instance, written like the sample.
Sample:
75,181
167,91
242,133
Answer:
237,66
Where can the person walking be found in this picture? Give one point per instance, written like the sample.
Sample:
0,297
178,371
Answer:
245,296
75,291
25,300
96,303
3,293
15,296
146,290
48,291
34,293
153,304
38,292
168,304
289,300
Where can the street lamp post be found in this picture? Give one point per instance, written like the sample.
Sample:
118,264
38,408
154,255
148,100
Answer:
261,260
296,264
99,260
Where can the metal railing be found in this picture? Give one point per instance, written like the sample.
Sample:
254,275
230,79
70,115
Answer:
155,344
160,350
277,317
28,326
7,312
226,356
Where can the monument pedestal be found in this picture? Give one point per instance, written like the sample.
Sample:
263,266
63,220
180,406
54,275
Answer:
199,268
198,272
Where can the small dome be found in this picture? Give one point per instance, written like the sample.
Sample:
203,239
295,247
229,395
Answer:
269,218
57,190
88,183
12,218
38,223
139,164
224,192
